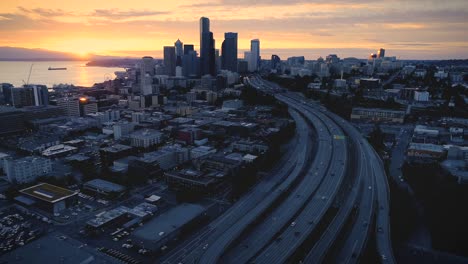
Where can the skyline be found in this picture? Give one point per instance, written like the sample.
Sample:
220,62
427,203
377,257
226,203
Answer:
348,28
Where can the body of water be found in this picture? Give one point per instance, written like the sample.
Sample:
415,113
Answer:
77,73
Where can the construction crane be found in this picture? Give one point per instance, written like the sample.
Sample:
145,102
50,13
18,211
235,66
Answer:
29,75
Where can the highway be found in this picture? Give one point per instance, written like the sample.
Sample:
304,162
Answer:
373,205
289,170
299,199
309,216
326,201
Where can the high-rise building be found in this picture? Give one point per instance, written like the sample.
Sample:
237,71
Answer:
188,48
190,64
179,52
40,92
147,71
275,61
11,120
254,58
69,105
27,169
229,52
381,53
207,48
22,97
147,65
170,60
88,105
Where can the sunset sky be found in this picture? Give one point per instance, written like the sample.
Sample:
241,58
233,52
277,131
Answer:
411,29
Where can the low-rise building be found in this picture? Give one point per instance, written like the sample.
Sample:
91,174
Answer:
48,197
114,152
377,114
176,222
145,138
168,156
425,151
104,188
250,146
421,96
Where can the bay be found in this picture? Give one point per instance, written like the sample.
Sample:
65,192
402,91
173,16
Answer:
77,73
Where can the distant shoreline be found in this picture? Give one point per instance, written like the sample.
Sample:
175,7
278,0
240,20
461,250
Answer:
43,59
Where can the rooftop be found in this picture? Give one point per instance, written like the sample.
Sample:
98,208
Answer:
426,147
57,149
51,249
168,222
48,192
105,185
116,148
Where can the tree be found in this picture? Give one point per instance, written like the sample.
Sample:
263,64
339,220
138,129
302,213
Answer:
376,138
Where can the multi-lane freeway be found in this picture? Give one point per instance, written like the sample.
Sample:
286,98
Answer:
326,202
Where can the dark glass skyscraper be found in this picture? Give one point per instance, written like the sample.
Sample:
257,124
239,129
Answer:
207,48
229,52
188,48
170,60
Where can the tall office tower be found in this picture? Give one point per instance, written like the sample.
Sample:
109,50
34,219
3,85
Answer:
170,60
190,63
147,71
381,53
147,65
179,51
275,61
207,48
254,59
188,48
229,52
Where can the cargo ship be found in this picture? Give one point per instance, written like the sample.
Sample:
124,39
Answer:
57,69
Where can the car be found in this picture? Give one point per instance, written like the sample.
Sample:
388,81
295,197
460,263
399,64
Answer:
293,224
205,246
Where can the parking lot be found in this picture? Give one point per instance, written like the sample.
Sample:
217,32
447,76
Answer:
17,228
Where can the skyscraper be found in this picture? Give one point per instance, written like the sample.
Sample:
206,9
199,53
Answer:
229,52
190,61
170,60
275,61
207,48
147,70
190,64
188,48
254,58
179,52
381,53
